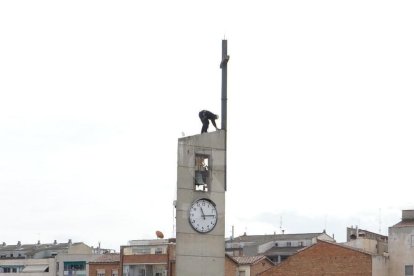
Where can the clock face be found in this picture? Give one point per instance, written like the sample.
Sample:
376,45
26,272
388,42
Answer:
203,215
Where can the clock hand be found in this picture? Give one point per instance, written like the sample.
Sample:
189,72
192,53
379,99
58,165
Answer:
204,216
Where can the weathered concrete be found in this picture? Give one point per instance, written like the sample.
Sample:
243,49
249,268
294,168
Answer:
401,243
200,254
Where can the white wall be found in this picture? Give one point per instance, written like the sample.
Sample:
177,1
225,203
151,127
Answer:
365,244
401,248
380,266
26,262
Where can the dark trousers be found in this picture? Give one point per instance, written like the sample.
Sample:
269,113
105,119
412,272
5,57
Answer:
205,122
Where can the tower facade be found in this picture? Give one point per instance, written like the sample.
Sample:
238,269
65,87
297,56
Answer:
200,205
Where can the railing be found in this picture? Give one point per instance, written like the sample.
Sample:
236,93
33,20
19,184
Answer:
75,273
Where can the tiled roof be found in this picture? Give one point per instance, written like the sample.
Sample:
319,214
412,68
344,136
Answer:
278,237
106,258
248,260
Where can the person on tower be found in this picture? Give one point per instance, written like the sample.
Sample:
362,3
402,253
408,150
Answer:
205,117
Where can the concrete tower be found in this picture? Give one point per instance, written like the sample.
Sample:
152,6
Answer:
200,206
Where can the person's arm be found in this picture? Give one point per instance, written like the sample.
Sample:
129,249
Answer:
213,121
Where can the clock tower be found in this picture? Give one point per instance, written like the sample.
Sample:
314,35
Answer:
201,188
200,205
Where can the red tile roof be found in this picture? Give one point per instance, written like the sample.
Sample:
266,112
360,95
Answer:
247,260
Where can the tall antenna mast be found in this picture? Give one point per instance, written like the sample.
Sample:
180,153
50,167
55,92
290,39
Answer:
223,65
281,224
379,221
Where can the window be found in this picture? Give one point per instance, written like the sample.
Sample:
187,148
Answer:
74,268
242,273
201,174
100,272
141,250
114,272
11,269
283,257
412,240
300,243
276,244
409,270
158,250
288,244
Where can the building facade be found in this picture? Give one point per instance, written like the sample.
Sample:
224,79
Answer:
251,265
105,265
28,267
50,259
276,247
326,258
148,258
200,205
401,245
366,240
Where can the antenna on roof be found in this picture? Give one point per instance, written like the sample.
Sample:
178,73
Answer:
379,221
223,66
281,223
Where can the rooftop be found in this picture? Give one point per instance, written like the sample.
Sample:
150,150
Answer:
106,258
275,237
248,260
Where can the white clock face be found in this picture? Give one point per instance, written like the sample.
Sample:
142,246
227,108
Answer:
203,215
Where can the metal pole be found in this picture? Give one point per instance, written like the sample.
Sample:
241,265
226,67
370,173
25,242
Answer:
223,65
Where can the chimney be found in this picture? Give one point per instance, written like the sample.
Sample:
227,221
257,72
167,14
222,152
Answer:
3,244
38,242
70,241
407,215
19,243
55,242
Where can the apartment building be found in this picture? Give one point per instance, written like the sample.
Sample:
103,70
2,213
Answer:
148,258
248,265
366,240
328,258
40,259
105,265
401,245
275,247
74,261
27,267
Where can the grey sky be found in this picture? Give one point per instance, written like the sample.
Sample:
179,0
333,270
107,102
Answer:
95,94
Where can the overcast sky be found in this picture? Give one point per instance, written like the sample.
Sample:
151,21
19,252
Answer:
95,94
